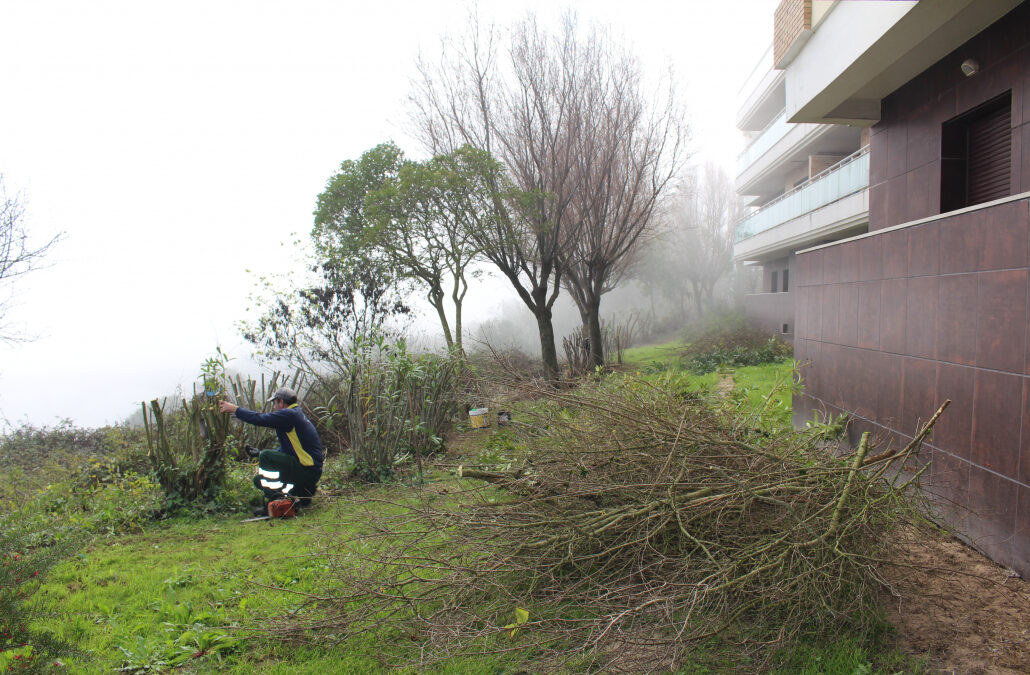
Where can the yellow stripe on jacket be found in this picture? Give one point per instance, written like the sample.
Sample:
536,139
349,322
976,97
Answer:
304,458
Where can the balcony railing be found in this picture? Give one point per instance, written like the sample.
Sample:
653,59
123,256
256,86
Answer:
767,138
846,177
757,74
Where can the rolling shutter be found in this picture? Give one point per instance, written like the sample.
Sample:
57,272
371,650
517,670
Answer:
990,147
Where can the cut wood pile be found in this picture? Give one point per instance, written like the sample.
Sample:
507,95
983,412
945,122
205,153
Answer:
642,520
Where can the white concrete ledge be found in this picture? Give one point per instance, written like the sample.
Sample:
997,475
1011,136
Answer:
928,219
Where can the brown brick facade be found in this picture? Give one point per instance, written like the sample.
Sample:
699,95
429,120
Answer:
905,147
790,19
898,321
929,307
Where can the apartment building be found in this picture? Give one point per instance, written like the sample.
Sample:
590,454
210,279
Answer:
804,183
918,290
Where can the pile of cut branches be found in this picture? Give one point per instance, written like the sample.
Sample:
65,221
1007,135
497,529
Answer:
643,520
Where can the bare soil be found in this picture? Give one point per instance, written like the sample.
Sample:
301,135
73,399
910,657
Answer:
952,606
957,609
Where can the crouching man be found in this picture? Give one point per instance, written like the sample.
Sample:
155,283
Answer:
294,469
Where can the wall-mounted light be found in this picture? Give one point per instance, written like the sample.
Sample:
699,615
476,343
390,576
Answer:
970,67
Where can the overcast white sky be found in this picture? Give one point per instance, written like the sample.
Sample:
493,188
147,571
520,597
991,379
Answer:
177,146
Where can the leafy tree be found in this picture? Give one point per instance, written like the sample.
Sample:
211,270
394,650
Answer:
319,323
357,289
430,222
343,228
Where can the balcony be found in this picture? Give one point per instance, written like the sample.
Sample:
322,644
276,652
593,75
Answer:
783,147
770,135
763,96
846,177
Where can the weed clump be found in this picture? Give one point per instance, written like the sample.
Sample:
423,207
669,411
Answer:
729,341
24,562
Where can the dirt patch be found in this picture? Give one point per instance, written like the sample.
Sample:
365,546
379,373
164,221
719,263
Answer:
462,444
725,384
967,615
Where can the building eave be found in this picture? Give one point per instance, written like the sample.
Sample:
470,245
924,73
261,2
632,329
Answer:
909,39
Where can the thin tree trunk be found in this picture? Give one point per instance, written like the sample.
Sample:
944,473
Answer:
548,351
436,300
458,297
596,339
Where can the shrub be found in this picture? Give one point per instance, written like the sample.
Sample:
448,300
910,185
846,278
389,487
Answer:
188,445
187,448
615,337
729,341
39,455
23,564
392,404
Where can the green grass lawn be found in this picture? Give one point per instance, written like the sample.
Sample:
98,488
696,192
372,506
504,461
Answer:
653,356
195,594
765,388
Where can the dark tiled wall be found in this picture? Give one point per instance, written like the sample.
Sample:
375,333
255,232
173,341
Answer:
896,322
778,266
905,147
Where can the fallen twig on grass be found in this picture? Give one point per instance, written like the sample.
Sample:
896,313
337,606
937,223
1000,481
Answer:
644,519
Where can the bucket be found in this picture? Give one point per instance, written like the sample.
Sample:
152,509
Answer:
478,418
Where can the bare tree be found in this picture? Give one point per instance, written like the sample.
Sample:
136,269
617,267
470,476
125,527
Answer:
693,248
517,105
626,152
18,256
703,219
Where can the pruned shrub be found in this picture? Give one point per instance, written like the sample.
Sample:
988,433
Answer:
616,338
189,440
187,448
394,404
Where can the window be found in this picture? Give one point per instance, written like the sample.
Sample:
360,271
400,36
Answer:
976,152
786,276
774,286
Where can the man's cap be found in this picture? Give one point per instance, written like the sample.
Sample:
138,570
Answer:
284,394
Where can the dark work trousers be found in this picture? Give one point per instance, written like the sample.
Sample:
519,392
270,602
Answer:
281,475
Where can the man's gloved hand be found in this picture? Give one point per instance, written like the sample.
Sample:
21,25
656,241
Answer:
251,450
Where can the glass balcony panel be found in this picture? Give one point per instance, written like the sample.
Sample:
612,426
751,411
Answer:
847,177
776,130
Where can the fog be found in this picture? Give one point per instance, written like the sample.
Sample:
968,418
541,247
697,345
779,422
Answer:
180,149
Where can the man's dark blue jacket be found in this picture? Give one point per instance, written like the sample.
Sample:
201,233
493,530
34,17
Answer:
297,435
